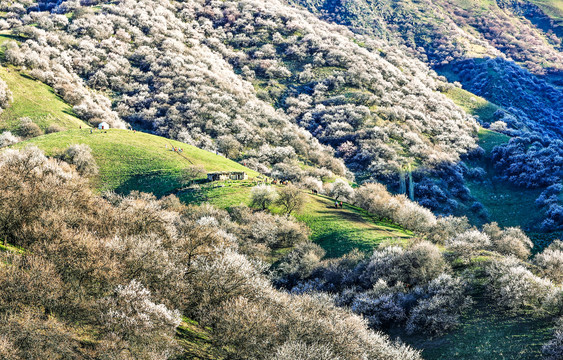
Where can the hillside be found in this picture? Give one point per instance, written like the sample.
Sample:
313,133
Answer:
435,123
337,231
240,85
34,100
519,44
131,160
554,10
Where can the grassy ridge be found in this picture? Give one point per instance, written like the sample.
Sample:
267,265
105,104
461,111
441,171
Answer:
134,160
337,231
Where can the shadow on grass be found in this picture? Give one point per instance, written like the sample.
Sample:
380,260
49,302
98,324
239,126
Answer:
485,332
160,183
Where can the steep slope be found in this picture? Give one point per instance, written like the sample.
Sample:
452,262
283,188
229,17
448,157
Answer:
505,52
32,99
164,80
489,46
446,30
214,70
36,101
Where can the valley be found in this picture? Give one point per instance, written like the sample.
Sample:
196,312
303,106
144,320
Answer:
398,193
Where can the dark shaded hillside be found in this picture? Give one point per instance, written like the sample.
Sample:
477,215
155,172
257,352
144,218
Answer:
465,34
534,104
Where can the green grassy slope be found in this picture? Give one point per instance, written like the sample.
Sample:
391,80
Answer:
37,101
488,139
338,231
553,9
194,341
33,99
134,160
472,104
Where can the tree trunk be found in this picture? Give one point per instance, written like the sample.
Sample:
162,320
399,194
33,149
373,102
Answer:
402,182
411,184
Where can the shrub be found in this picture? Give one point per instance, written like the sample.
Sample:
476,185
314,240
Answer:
551,261
340,189
447,228
5,95
303,351
375,199
80,155
414,217
7,139
514,287
440,307
469,242
290,198
191,173
415,266
132,320
382,306
553,350
299,263
310,183
263,196
28,129
511,241
54,128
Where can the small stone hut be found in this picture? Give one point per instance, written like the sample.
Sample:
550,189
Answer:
225,175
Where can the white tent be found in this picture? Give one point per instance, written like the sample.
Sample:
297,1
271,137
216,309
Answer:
103,126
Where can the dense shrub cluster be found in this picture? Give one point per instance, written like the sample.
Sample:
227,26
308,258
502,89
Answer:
111,277
536,108
438,31
165,79
395,286
208,71
377,201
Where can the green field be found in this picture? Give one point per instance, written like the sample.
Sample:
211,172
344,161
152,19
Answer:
37,101
134,160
